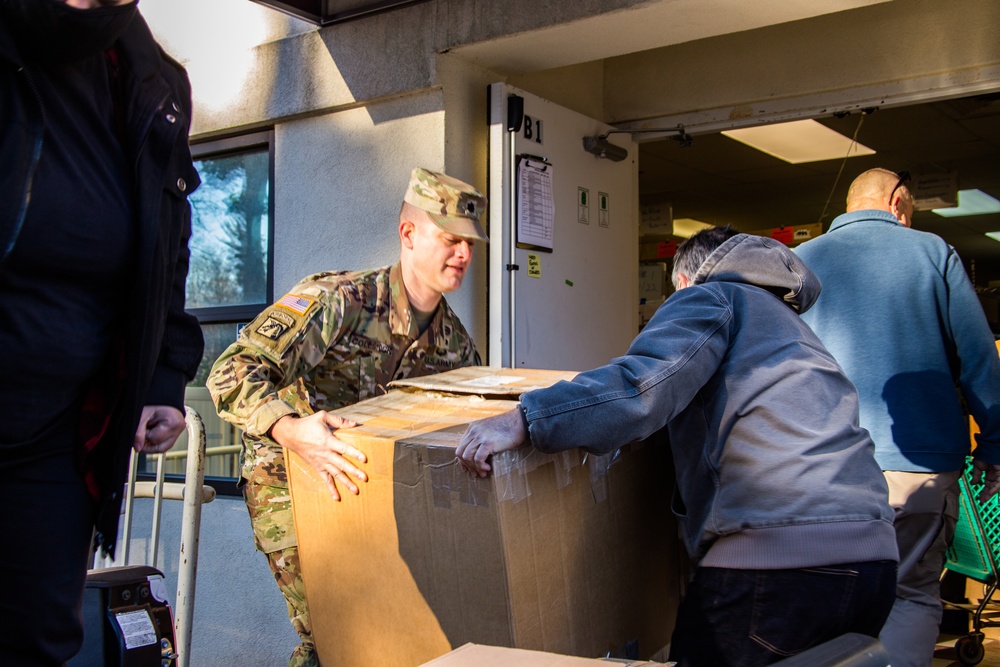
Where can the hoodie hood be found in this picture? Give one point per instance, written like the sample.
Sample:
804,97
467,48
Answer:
764,263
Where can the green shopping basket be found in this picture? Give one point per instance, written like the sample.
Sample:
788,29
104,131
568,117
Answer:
973,553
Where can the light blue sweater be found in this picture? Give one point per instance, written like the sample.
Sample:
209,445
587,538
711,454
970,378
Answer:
900,315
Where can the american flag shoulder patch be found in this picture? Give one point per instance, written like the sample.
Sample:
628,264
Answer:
297,304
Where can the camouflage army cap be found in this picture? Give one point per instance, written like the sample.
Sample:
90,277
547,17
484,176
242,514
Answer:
454,206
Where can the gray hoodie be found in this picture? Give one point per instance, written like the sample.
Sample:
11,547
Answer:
773,471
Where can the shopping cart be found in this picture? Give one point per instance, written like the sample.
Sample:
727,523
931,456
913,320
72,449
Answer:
973,553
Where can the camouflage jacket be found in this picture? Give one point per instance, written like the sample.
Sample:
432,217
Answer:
336,338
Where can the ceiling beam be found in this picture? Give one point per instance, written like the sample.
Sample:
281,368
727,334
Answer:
328,12
950,85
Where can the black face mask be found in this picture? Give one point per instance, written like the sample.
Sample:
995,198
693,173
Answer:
52,31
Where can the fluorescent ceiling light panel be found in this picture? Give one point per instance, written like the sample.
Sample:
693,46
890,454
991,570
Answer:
688,227
994,235
799,141
970,202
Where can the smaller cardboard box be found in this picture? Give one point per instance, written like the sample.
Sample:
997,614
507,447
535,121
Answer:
487,381
657,250
496,656
792,235
648,309
564,553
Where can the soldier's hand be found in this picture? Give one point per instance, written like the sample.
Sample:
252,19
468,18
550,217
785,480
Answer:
991,483
159,427
489,436
314,439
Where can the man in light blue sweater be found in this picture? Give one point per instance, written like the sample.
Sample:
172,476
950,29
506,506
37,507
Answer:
900,315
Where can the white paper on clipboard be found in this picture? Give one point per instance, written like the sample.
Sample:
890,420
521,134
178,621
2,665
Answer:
535,210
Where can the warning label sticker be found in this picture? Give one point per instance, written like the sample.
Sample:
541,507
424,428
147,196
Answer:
137,628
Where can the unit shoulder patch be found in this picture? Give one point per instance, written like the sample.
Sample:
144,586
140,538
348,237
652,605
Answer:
275,326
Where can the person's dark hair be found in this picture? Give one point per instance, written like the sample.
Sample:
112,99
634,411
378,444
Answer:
692,253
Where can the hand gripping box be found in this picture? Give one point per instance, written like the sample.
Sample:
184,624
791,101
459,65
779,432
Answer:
570,554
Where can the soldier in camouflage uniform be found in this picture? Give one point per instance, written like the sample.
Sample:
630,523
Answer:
336,338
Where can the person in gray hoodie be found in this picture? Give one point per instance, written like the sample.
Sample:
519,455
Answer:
780,501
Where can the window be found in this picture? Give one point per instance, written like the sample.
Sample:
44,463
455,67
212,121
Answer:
229,279
231,214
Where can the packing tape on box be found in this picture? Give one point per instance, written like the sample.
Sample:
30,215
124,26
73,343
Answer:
427,426
509,480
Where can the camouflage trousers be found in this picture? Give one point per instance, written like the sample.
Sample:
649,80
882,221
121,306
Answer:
270,510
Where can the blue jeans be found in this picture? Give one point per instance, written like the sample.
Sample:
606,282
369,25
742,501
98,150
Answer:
746,618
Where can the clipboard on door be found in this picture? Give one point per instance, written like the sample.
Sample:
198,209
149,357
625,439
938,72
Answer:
535,210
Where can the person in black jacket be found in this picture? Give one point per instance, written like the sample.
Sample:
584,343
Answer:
94,228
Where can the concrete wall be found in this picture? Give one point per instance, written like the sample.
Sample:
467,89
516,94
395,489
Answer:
464,89
252,67
341,173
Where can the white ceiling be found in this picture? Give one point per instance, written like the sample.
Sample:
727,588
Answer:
722,181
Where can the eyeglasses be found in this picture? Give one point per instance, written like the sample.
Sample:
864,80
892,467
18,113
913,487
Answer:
904,178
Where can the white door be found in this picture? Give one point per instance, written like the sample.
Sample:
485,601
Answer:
563,237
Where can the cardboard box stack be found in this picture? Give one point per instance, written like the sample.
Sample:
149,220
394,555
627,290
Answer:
562,553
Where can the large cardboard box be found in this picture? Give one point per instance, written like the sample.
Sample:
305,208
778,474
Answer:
496,656
563,553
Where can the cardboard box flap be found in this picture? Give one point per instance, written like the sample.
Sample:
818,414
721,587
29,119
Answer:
495,656
487,381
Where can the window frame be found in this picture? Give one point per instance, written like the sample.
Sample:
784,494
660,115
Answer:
221,148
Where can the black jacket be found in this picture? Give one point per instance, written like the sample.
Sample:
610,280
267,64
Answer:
162,344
